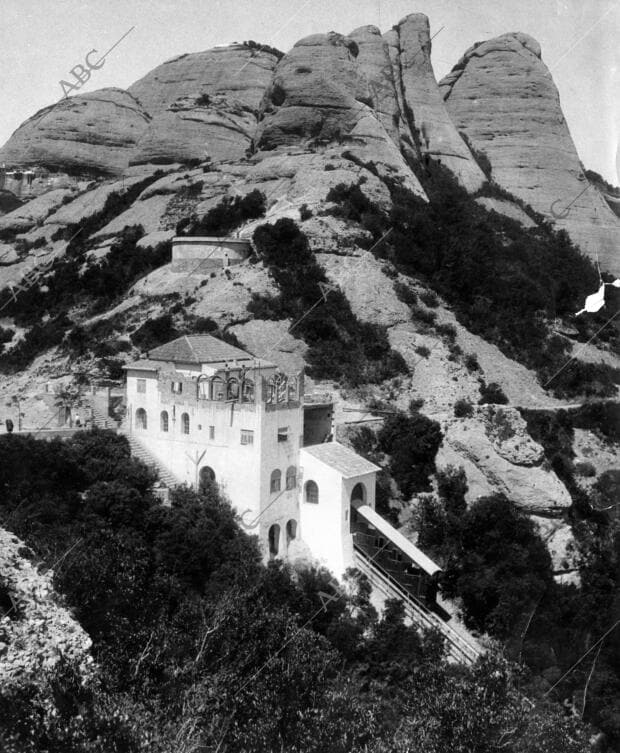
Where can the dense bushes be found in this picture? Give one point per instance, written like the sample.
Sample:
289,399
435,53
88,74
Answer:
412,442
340,346
229,214
504,281
200,647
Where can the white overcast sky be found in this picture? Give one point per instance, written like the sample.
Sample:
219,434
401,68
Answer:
41,40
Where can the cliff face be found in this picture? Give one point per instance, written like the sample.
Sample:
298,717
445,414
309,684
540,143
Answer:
502,96
95,132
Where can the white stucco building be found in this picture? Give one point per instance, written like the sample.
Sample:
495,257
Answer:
208,411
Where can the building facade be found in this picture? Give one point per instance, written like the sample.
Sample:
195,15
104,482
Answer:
210,412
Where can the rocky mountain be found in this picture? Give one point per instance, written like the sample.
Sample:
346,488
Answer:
362,110
501,95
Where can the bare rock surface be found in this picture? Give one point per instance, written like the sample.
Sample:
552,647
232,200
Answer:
502,96
507,208
94,132
437,134
234,71
27,216
498,466
147,213
36,633
273,342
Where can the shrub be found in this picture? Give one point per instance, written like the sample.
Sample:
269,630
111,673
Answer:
463,408
471,362
585,469
305,212
154,332
422,315
492,393
226,216
446,330
203,100
412,443
415,404
429,298
405,293
423,351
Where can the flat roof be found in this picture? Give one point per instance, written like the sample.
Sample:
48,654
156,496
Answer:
347,462
143,364
410,550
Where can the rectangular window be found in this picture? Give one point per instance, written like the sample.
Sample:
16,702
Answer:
141,385
177,387
211,432
247,436
283,434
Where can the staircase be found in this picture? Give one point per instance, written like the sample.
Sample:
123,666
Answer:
102,421
139,451
459,648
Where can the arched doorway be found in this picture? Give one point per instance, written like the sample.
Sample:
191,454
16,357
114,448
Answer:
141,419
274,540
206,478
359,493
291,531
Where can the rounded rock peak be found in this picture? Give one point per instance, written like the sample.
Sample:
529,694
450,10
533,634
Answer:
419,20
363,31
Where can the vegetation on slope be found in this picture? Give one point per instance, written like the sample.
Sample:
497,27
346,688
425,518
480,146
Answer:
200,647
505,282
340,345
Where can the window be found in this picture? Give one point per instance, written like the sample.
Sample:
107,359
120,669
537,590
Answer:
185,423
291,531
247,436
177,387
274,540
163,420
248,391
232,389
211,432
312,493
203,387
283,434
217,388
141,419
276,481
291,477
141,385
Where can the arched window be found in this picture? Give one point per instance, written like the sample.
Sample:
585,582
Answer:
185,423
276,481
291,477
217,388
281,383
271,390
141,419
207,478
232,389
312,493
359,493
203,387
163,420
292,388
291,531
274,540
248,391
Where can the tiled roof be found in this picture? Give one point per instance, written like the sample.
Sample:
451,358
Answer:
344,460
143,364
198,349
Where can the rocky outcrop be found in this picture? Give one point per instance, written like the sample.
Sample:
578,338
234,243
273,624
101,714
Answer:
320,99
35,632
233,71
95,132
498,455
436,134
33,212
502,96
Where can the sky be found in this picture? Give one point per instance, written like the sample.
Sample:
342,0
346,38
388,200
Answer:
42,40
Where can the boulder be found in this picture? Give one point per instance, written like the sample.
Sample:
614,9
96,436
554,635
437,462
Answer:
502,96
